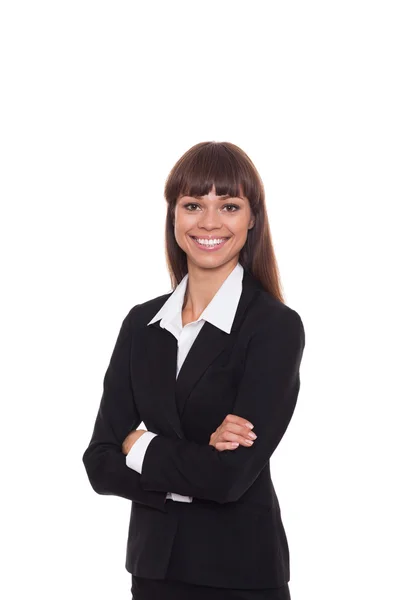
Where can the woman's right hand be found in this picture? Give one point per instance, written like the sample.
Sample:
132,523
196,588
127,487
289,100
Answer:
232,433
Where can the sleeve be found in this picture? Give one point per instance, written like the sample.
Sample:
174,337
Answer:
117,416
135,456
267,396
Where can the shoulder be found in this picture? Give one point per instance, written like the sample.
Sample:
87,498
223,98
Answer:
269,313
140,314
275,331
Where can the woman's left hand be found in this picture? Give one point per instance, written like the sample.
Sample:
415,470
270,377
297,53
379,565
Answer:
131,439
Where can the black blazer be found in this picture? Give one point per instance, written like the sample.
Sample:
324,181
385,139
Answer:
231,535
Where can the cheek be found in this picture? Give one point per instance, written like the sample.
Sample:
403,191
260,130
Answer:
240,227
184,222
178,227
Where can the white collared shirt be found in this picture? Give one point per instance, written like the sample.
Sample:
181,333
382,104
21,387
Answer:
219,312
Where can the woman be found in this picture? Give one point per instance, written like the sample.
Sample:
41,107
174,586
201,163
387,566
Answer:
212,369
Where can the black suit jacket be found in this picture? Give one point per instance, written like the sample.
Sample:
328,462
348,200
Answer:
231,535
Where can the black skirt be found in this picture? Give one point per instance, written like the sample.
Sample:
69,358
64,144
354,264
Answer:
166,589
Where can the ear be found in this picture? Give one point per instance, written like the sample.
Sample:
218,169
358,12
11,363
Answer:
251,223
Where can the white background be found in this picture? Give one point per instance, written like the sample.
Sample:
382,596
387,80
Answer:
98,101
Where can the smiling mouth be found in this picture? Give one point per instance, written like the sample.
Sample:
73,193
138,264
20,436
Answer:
207,245
221,237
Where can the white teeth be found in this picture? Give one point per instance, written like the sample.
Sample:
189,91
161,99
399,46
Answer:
210,242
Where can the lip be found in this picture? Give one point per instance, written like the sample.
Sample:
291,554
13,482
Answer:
209,248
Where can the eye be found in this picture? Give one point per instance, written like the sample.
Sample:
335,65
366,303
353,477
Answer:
189,204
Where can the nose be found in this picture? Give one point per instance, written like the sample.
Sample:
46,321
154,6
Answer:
210,219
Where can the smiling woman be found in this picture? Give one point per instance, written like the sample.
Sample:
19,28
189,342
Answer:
202,366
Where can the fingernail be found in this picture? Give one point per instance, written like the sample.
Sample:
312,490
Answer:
249,425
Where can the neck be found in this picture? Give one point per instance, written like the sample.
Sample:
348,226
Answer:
202,286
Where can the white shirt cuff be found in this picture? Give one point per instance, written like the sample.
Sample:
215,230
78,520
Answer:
135,456
179,497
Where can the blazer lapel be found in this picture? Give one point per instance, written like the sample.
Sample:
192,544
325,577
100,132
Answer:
170,394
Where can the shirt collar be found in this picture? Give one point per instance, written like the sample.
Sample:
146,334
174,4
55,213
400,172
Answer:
219,312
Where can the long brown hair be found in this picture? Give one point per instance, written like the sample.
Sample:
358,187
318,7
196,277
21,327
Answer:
231,171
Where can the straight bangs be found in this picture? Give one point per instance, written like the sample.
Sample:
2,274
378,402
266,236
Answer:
218,164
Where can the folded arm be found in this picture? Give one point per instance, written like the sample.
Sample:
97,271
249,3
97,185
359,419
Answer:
267,396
